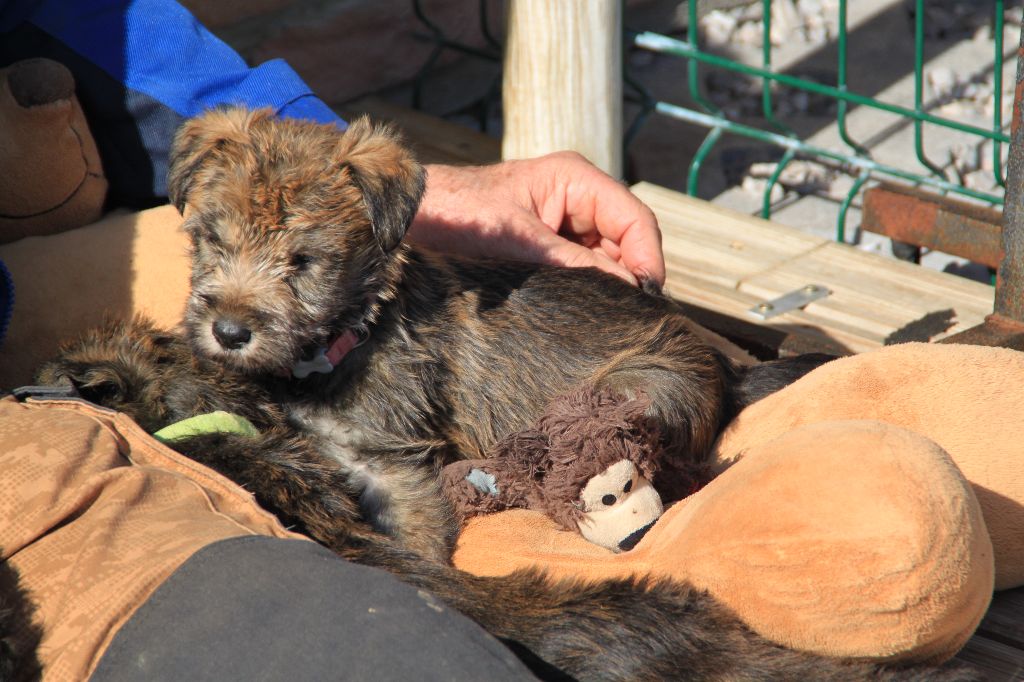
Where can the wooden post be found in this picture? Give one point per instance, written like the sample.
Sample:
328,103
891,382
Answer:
563,80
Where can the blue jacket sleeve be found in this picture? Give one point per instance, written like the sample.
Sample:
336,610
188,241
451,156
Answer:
156,47
141,67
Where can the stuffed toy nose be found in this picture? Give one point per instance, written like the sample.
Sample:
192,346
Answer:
615,526
630,541
34,82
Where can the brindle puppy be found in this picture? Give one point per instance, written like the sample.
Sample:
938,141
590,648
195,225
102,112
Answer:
297,233
297,246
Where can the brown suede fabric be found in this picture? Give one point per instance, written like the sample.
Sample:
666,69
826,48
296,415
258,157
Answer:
96,515
53,178
873,546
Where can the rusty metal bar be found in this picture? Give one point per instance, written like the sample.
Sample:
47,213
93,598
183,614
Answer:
926,219
1005,326
1009,301
996,330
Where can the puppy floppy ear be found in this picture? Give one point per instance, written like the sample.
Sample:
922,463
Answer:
198,141
389,178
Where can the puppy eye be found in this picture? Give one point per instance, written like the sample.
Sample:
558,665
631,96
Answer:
629,486
301,261
204,233
608,500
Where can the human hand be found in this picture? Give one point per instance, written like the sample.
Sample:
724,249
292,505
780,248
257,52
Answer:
557,209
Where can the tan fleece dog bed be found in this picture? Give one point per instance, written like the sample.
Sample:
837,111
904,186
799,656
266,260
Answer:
968,399
839,523
130,263
66,283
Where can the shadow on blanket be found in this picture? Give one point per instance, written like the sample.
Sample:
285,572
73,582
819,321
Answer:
19,635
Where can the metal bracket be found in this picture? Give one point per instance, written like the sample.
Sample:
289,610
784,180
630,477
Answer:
791,301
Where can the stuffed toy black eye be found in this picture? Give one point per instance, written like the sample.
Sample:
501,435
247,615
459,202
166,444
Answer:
608,500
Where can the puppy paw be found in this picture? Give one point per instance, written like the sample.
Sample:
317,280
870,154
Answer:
121,365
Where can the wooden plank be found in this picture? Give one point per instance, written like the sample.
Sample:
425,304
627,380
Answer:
997,649
876,294
997,661
434,139
1004,621
717,245
736,304
710,250
562,80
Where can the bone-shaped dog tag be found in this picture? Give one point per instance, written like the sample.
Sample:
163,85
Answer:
319,363
483,481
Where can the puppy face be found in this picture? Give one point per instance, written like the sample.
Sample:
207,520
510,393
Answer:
295,230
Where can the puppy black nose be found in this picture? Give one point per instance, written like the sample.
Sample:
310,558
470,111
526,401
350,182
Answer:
231,334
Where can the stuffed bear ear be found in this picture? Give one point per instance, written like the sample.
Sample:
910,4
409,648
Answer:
389,178
200,142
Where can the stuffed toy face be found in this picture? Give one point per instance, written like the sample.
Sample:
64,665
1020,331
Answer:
619,505
589,463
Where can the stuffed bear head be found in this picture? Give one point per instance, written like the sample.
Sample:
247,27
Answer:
56,180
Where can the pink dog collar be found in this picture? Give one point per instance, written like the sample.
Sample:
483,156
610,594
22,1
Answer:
326,359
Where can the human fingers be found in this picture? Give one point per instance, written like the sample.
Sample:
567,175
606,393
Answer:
600,210
640,244
574,255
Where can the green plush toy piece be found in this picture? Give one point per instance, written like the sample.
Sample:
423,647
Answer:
211,422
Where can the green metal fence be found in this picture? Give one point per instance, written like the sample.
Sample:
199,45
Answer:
854,158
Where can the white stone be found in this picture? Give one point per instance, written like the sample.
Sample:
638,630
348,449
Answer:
785,21
749,33
942,81
717,28
756,187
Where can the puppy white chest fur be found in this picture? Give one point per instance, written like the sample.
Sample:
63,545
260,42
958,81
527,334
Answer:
390,486
340,441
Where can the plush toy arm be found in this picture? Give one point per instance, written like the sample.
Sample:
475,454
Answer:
480,486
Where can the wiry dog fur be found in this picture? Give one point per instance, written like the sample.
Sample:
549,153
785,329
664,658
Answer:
297,236
19,633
